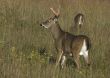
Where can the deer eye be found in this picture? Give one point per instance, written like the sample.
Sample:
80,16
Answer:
49,20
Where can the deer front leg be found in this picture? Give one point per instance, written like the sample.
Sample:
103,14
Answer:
57,62
62,62
60,56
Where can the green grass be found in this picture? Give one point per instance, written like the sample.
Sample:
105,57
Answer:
25,47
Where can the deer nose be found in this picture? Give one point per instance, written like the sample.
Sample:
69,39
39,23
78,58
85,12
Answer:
40,24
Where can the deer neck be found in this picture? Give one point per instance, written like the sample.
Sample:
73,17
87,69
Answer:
56,31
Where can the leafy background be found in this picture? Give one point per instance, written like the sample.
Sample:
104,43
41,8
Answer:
27,50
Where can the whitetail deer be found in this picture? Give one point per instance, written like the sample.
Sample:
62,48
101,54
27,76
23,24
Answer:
78,22
66,43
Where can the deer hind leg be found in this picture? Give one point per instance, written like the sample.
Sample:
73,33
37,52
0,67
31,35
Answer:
86,57
84,53
76,59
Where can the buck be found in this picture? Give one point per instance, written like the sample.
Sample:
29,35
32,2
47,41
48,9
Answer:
66,43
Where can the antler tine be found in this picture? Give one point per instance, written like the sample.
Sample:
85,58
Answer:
57,14
59,8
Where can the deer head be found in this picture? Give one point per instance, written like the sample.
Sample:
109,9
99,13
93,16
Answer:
51,21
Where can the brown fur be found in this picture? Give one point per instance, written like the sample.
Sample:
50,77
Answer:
66,42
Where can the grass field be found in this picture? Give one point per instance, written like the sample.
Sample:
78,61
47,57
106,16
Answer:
25,47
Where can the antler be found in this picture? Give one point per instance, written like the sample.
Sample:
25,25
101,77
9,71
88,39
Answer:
56,13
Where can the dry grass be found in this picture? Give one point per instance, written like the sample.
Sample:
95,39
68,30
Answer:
25,47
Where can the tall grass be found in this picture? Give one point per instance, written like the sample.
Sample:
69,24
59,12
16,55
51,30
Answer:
26,48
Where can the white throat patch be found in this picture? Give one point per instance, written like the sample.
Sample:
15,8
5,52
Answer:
44,26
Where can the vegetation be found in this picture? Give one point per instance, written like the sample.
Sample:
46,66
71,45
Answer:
26,48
